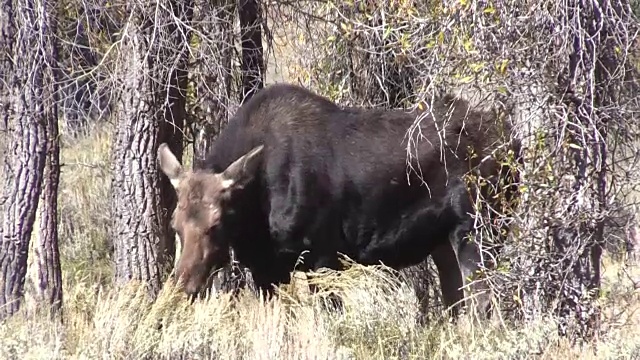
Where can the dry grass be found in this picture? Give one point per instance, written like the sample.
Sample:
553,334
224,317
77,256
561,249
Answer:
378,322
84,206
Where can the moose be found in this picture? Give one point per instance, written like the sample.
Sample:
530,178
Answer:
294,172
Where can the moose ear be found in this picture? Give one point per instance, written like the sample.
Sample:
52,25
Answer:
241,171
169,164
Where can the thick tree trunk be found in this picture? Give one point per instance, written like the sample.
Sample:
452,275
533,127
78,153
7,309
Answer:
141,199
49,275
137,228
31,100
47,255
252,52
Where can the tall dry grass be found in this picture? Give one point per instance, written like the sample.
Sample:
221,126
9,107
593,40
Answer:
378,322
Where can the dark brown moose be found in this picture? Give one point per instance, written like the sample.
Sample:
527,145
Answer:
295,172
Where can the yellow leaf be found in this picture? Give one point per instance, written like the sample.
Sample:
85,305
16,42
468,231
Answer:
467,79
502,68
468,45
489,10
476,67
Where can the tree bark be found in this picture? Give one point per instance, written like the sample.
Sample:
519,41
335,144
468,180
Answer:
31,104
49,274
155,79
212,77
252,51
7,29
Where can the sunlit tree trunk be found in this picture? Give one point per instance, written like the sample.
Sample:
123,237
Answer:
31,97
151,110
47,255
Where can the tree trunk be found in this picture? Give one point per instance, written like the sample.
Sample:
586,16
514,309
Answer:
142,199
212,77
49,275
31,98
252,52
7,29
